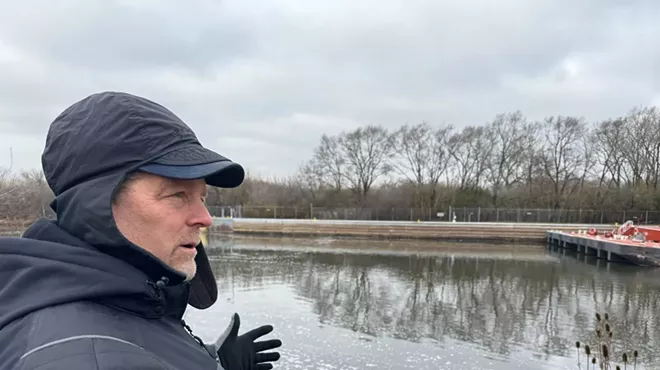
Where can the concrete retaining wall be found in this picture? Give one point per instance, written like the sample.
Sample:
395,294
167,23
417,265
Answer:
458,231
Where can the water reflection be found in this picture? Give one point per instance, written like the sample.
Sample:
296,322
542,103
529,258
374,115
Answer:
507,303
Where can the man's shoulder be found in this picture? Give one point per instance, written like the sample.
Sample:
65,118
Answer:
90,352
13,242
78,333
6,240
80,318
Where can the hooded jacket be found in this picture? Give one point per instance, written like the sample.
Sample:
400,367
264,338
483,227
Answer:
75,293
65,305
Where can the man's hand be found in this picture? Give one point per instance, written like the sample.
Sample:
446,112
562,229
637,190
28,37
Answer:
243,352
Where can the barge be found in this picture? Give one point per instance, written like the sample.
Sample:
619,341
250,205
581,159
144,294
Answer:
628,243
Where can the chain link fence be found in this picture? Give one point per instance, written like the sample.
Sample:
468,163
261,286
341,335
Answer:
459,214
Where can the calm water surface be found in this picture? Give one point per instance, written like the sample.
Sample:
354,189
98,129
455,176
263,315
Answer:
363,306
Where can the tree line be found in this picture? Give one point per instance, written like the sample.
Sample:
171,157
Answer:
511,161
558,162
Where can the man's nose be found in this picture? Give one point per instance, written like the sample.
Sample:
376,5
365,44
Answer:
201,216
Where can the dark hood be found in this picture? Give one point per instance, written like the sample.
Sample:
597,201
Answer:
90,148
50,267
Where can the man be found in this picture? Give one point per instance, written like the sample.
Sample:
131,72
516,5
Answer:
107,284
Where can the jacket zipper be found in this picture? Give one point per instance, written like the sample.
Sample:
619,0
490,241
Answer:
200,341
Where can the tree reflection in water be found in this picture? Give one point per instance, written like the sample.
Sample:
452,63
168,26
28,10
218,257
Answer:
538,302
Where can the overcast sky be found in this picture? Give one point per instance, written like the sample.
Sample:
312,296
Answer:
260,81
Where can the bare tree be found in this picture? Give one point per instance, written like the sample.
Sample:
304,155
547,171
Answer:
422,158
441,160
562,153
330,161
637,137
413,146
29,197
643,144
367,152
588,151
470,150
531,169
505,164
310,180
5,188
608,171
37,195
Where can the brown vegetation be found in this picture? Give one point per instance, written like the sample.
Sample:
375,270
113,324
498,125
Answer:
23,197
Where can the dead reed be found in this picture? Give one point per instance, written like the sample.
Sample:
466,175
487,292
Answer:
602,352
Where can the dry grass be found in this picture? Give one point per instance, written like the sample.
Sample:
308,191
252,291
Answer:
13,227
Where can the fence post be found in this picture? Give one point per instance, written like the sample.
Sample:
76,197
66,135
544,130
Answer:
479,214
449,214
646,218
311,211
411,214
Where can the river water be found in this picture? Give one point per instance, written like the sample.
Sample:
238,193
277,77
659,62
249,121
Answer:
380,305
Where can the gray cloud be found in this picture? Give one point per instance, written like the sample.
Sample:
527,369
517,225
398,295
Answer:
260,82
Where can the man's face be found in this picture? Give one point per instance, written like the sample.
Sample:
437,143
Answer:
164,217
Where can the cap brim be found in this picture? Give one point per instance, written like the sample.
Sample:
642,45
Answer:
193,161
223,174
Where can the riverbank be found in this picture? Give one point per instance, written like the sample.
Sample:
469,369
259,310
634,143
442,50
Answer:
487,232
13,227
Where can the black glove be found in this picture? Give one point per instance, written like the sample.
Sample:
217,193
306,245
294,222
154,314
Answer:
242,352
